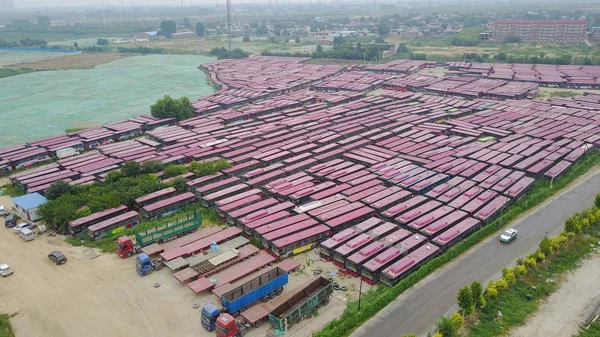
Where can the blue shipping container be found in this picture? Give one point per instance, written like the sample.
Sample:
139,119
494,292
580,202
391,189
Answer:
262,287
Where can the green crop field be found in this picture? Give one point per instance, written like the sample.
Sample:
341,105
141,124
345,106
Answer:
15,56
43,104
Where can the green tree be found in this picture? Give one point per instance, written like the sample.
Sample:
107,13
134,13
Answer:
337,40
174,171
500,57
179,184
457,320
246,38
83,211
131,169
597,201
446,327
477,294
465,301
152,166
187,24
168,27
262,30
200,29
168,107
113,176
103,201
101,42
58,189
383,29
297,39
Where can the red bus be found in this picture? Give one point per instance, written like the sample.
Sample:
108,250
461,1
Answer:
349,219
456,233
113,225
300,242
366,193
222,211
424,221
258,232
341,253
507,182
318,203
268,238
233,216
490,211
391,201
203,181
303,196
167,206
411,215
480,201
467,196
300,166
259,181
355,261
238,170
404,206
261,213
329,192
335,212
442,188
79,225
154,197
371,270
371,199
408,264
454,192
518,190
210,199
262,171
284,194
217,186
237,197
444,223
327,247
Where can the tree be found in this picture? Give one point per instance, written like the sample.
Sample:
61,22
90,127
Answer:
457,320
174,171
168,107
131,169
337,40
597,201
75,45
446,327
168,27
465,301
383,29
187,24
199,29
379,40
102,42
500,57
43,21
152,166
297,39
58,189
512,39
262,30
246,38
477,293
179,184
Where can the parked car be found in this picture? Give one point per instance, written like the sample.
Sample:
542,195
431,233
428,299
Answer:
57,257
10,221
28,225
5,270
26,234
2,210
508,235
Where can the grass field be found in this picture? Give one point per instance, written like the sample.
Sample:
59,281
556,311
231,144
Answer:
7,72
78,61
45,103
15,56
6,329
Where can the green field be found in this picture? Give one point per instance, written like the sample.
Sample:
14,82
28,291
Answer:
15,56
43,104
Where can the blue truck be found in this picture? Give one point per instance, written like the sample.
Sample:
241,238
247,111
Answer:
145,266
261,286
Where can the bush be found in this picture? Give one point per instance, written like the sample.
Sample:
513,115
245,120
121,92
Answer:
179,184
476,291
437,334
58,189
501,284
174,171
508,274
465,300
521,270
539,256
457,320
446,327
131,169
530,262
597,201
492,291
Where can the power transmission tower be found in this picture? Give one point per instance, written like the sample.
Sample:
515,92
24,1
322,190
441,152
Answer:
229,25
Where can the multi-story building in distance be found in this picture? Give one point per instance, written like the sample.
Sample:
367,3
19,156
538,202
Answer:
559,31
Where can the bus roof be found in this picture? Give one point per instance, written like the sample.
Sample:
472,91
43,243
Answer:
112,221
97,215
170,201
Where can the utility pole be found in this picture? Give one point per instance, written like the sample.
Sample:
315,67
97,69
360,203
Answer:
121,13
103,18
229,25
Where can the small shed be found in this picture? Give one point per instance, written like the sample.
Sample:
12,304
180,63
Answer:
28,205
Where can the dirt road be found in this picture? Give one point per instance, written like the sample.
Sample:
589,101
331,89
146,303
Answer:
569,305
105,297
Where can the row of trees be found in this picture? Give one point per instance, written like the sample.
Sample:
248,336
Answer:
67,202
223,53
40,43
348,51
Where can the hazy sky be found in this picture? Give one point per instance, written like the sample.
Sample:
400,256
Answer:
80,3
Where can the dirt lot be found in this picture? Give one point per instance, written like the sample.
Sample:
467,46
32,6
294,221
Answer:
571,304
79,61
104,296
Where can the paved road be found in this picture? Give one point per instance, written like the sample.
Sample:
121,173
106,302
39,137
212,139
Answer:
417,310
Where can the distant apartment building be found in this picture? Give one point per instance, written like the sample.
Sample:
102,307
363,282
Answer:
561,31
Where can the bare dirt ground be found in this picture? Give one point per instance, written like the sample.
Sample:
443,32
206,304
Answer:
571,304
79,61
104,296
545,93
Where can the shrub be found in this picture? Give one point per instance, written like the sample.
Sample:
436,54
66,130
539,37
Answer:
597,200
174,171
501,284
131,169
476,291
521,270
457,320
540,256
530,262
437,334
509,275
446,327
492,291
546,246
465,300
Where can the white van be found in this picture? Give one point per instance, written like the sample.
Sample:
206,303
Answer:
26,234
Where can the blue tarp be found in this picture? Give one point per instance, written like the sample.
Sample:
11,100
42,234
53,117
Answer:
30,201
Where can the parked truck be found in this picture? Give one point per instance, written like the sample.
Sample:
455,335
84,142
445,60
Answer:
145,266
282,312
167,232
66,153
262,286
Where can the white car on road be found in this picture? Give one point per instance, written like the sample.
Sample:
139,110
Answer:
508,235
5,270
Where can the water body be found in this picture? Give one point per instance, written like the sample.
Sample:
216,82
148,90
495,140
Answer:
44,104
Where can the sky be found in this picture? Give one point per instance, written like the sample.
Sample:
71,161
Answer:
81,3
